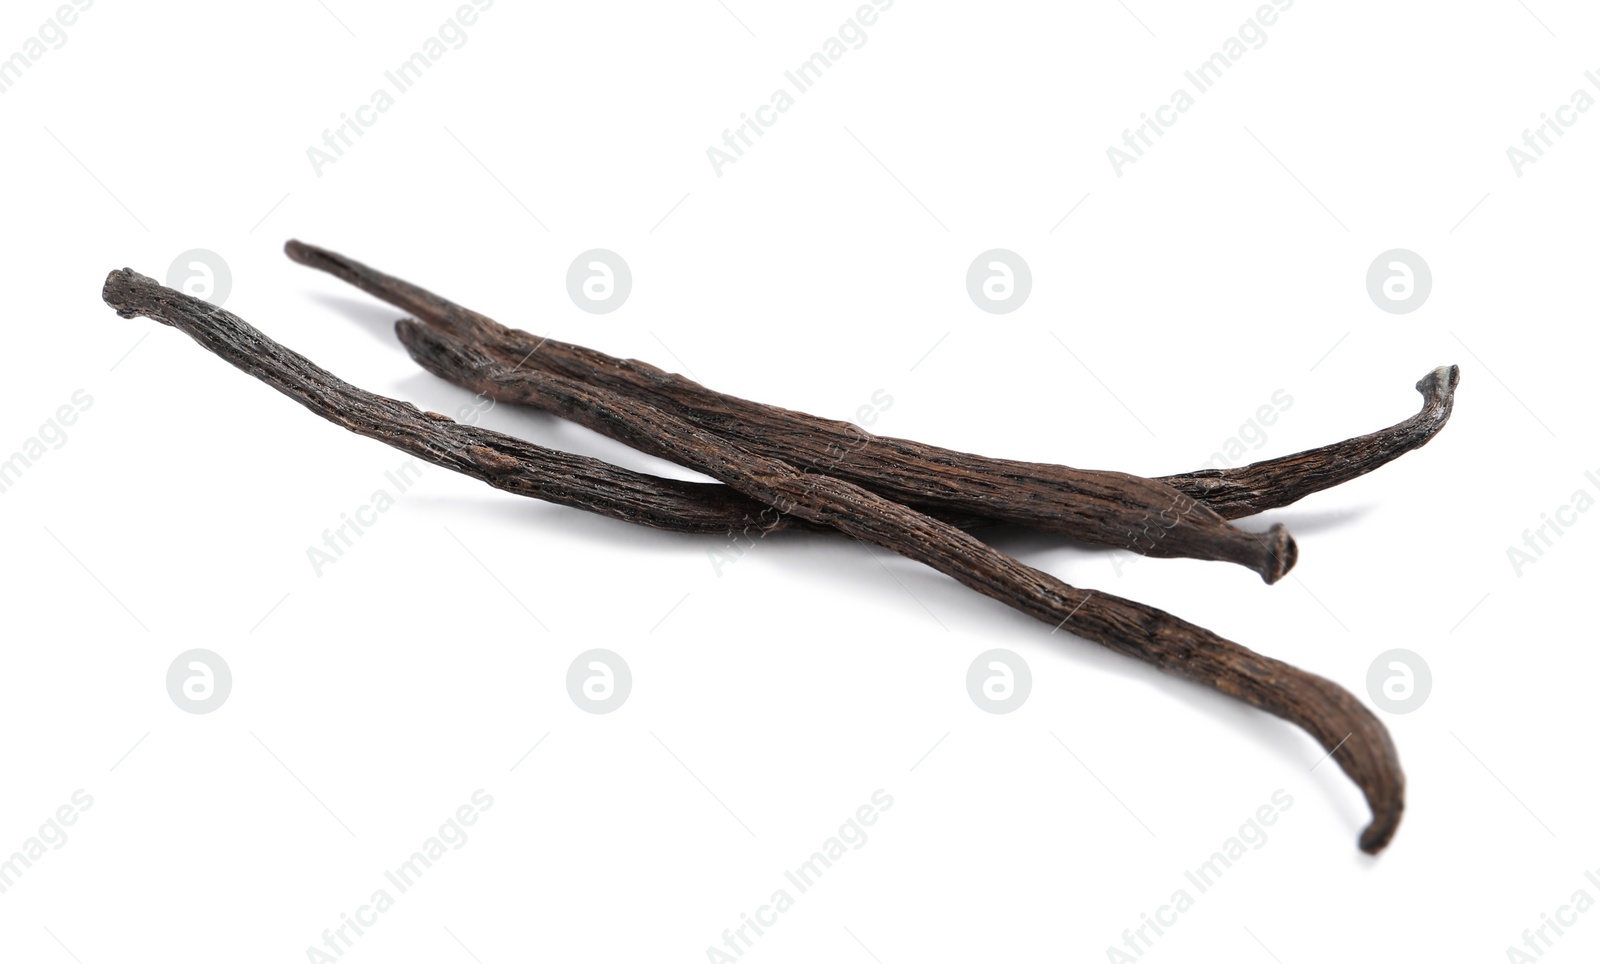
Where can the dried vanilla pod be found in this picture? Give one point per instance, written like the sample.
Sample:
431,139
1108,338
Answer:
1232,493
1275,483
499,460
1336,719
1101,508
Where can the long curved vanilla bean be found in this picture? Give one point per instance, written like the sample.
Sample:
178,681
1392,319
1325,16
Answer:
501,461
1103,508
1338,721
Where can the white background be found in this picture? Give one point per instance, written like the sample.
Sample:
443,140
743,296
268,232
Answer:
772,699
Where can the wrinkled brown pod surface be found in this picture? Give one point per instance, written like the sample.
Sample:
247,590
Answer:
502,461
1102,508
1231,493
1340,722
1335,718
1274,483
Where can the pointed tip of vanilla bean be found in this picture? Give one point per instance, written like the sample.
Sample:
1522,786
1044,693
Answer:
1386,814
1381,830
1351,733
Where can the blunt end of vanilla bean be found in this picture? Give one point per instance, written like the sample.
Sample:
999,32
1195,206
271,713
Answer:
123,289
320,258
118,289
1438,387
407,331
300,252
1281,554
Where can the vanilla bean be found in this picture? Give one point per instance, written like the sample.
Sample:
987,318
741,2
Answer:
1232,493
1338,721
501,461
1274,483
1103,508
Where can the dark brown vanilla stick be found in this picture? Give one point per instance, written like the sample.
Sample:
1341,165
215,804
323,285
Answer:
1249,489
1338,721
1331,715
1232,493
1102,508
499,460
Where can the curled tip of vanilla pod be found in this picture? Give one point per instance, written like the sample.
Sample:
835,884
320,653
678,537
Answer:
1275,483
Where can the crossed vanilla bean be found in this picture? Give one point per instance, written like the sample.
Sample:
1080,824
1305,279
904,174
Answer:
1101,508
942,482
499,460
1336,719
